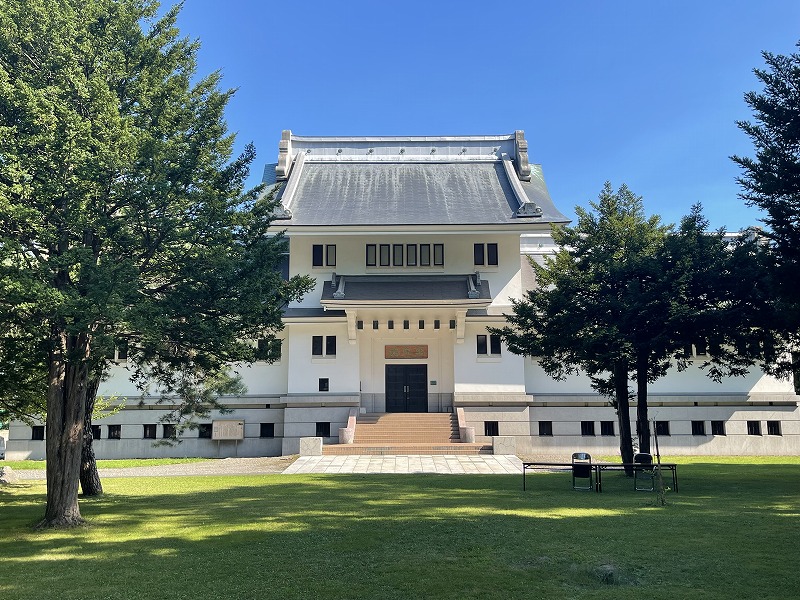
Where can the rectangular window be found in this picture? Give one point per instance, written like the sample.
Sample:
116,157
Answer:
316,345
422,324
698,427
406,324
607,428
204,431
717,427
169,431
372,255
662,427
754,428
114,432
122,351
437,323
324,384
323,429
438,255
700,348
267,430
587,428
452,323
95,432
330,345
385,255
546,428
330,255
491,428
268,350
482,348
411,255
37,432
494,344
424,255
491,255
773,428
375,325
316,255
397,255
149,431
477,254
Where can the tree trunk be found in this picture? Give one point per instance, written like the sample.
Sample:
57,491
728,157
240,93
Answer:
642,422
90,478
66,403
623,414
796,371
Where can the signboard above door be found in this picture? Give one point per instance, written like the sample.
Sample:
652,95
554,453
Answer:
411,351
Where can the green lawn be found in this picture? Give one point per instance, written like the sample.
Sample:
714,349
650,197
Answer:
731,532
40,465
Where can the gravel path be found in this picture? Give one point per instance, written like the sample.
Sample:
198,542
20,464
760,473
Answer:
223,466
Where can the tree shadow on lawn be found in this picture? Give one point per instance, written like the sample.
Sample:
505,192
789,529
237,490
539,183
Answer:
407,536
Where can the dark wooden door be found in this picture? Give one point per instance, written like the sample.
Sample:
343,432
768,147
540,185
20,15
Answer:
406,388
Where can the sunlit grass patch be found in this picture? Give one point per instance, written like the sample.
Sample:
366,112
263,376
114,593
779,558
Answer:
412,536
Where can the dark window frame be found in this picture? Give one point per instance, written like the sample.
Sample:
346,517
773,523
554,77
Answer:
373,260
662,428
149,431
324,384
482,344
317,345
204,431
397,255
491,428
168,431
37,433
718,428
699,428
545,428
774,428
323,429
607,428
587,429
97,432
495,344
411,255
330,345
330,255
267,430
438,255
754,428
424,255
114,432
478,255
317,255
385,261
492,255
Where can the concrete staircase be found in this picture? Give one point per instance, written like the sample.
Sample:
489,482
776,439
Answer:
406,433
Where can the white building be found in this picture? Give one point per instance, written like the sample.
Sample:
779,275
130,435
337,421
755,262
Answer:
418,245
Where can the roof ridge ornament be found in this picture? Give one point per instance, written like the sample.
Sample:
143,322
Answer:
522,164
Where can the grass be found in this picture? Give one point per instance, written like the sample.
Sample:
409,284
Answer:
729,533
40,465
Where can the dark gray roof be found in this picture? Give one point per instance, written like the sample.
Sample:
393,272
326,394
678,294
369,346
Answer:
423,288
412,193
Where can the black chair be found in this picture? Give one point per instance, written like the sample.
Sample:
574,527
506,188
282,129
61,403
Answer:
643,473
582,469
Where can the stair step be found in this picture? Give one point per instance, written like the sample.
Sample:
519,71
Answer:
406,449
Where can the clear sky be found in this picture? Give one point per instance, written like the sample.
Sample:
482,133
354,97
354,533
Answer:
639,92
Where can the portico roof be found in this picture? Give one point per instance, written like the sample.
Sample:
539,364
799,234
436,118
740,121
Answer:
406,290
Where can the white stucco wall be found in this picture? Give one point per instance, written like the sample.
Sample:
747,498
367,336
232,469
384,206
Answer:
305,370
485,374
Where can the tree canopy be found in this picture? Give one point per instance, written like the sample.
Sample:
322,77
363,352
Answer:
771,181
625,296
123,216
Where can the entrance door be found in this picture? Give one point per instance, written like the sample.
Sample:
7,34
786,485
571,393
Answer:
406,388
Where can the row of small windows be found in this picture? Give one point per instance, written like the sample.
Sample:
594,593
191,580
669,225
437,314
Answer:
662,428
437,324
404,255
150,431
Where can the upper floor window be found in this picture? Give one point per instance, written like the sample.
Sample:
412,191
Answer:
269,349
489,344
404,255
485,254
323,255
326,343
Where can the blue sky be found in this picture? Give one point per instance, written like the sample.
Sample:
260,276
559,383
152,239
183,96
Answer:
639,92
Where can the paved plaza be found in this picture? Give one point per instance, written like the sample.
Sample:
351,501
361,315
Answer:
439,464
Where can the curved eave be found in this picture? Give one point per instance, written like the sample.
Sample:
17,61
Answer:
451,304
